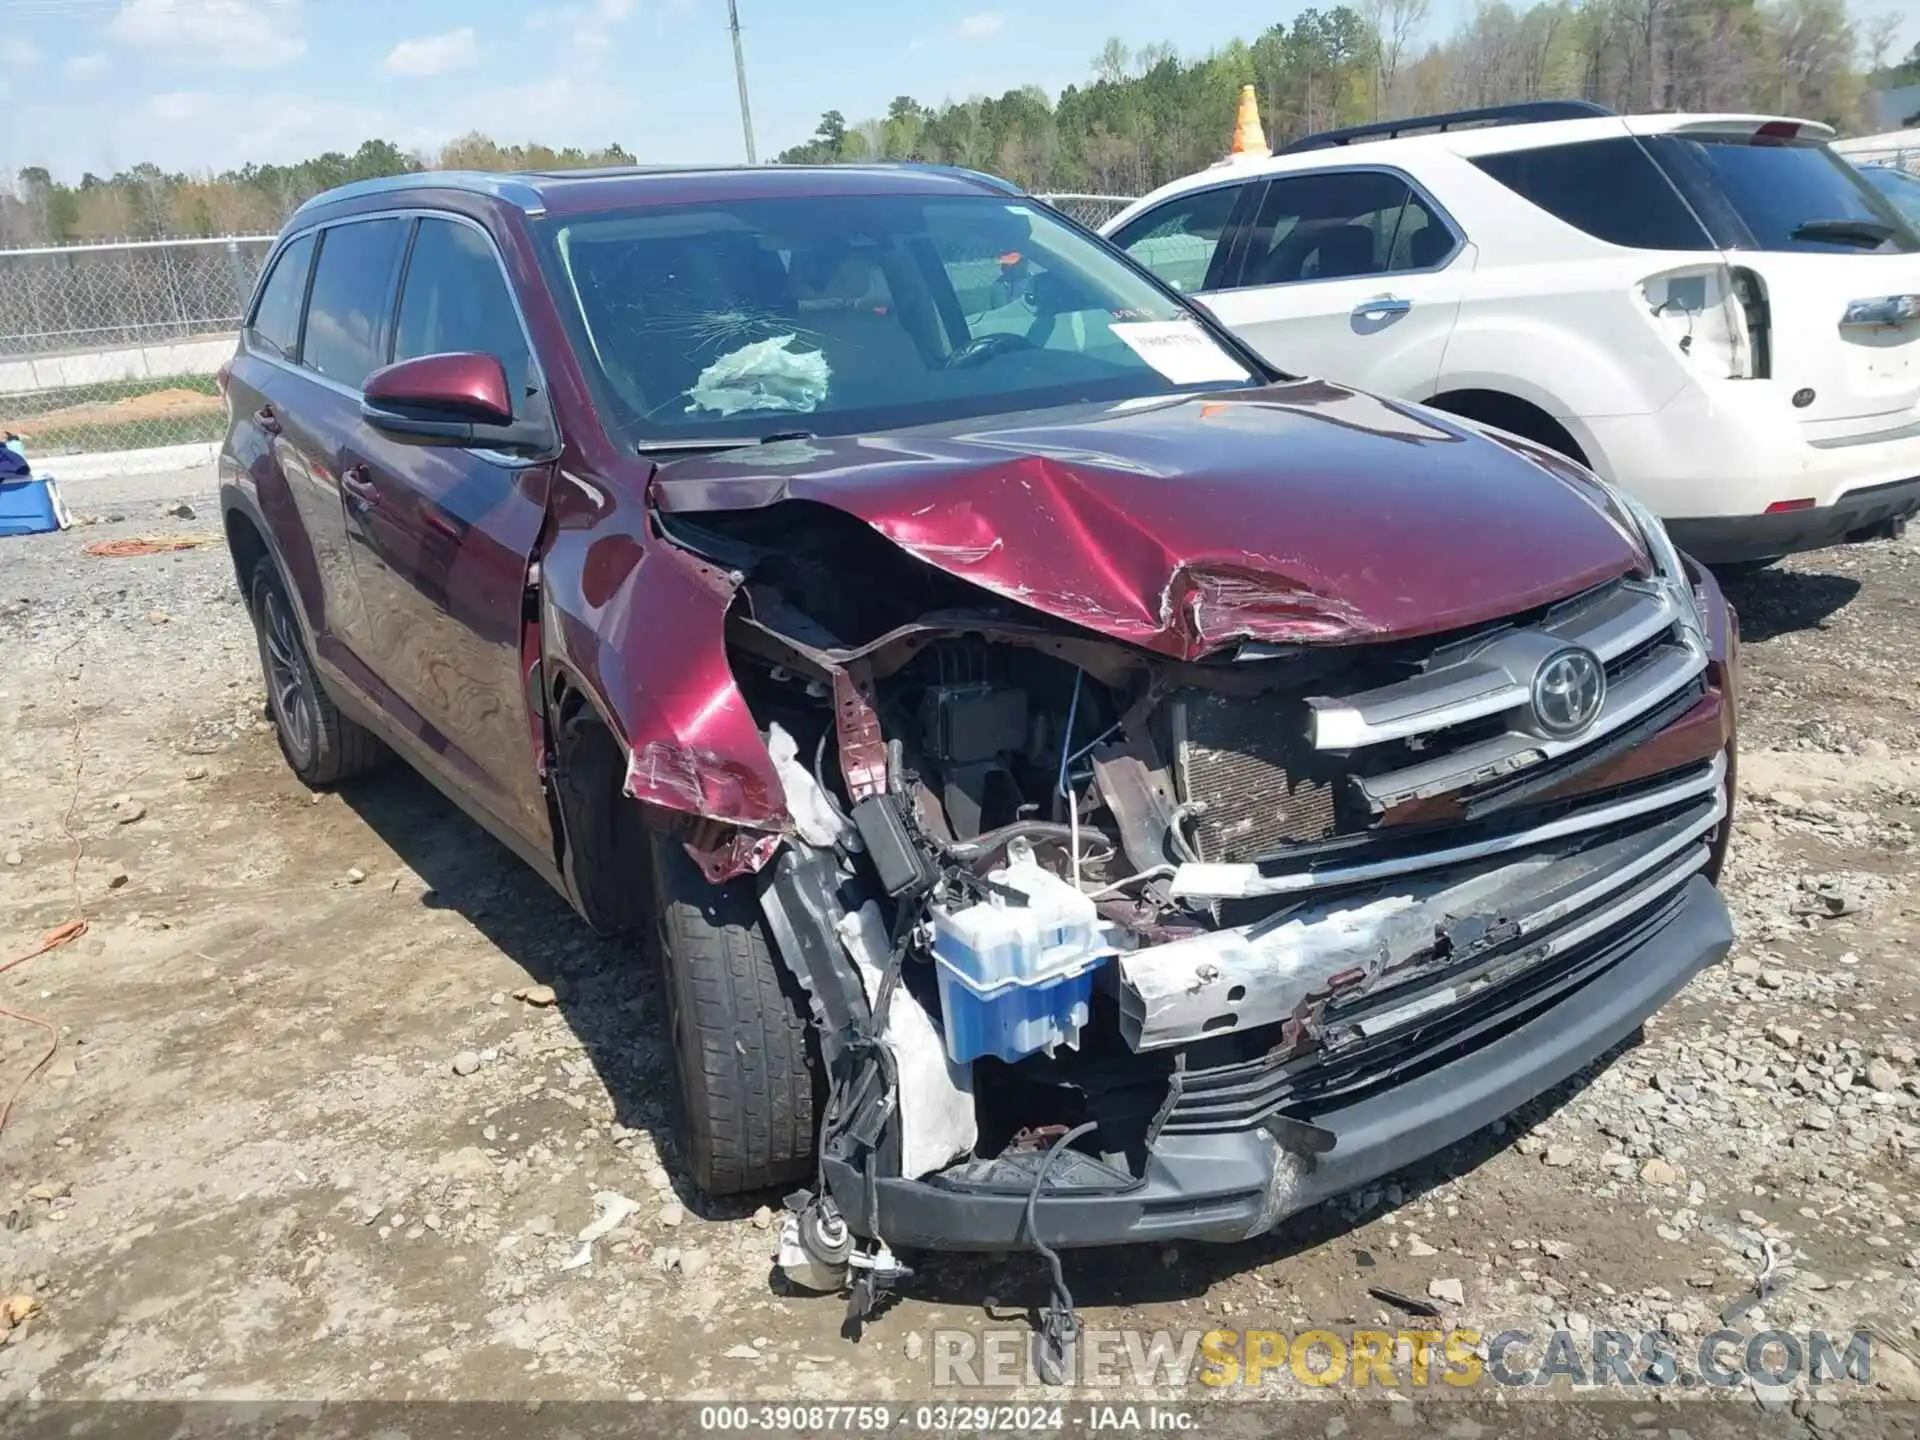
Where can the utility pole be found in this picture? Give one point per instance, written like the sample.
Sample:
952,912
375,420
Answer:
740,74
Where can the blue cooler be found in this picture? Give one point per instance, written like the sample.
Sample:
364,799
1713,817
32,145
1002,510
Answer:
29,507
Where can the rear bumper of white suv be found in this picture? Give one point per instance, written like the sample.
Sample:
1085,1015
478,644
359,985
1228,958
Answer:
1872,512
1736,478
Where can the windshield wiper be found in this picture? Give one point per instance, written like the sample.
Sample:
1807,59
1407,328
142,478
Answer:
715,446
1866,233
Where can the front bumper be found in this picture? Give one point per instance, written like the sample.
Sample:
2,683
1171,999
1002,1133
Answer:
1871,512
1230,1186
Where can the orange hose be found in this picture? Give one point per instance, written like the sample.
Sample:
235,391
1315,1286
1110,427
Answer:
146,545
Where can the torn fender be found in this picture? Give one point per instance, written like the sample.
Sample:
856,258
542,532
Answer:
640,624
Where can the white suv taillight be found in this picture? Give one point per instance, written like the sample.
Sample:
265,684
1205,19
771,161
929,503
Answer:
1703,310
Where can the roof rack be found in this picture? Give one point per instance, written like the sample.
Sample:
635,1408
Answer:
934,167
1529,112
502,185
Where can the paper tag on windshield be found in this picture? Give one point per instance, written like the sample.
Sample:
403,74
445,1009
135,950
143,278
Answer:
1179,350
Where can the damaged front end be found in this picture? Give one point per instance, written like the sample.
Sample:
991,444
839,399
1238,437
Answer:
1109,945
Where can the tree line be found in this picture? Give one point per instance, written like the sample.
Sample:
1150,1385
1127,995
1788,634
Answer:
1146,116
147,203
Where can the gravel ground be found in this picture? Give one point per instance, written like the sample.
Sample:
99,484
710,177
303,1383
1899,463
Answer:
256,1170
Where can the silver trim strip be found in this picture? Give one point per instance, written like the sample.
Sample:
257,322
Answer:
1553,914
1496,678
1670,667
1253,975
1233,882
1534,922
1628,904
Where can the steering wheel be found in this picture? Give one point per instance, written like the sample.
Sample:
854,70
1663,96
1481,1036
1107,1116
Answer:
987,347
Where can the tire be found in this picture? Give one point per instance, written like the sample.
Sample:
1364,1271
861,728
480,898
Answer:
750,1084
322,746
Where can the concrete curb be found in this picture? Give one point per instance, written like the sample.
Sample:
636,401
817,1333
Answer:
107,464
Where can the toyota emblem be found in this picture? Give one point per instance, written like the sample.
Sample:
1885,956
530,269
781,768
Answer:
1568,690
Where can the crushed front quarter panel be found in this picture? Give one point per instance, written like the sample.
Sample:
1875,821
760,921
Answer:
640,625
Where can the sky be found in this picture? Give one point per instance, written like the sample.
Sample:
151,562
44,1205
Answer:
206,85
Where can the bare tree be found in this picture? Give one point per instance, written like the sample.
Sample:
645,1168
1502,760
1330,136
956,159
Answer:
1148,58
1816,44
1392,23
1540,29
1487,57
1877,37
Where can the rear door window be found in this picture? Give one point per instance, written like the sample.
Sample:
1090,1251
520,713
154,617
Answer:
1339,225
1611,189
1773,193
276,319
1180,241
352,294
456,298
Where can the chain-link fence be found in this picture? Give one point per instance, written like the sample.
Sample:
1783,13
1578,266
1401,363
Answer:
113,347
1905,157
1090,210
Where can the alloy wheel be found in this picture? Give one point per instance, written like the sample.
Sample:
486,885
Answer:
288,689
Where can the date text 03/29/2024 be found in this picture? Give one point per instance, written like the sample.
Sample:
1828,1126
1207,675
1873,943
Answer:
942,1419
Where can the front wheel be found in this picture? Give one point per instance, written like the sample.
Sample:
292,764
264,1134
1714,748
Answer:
750,1085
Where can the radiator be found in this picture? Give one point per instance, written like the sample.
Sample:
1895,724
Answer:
1247,766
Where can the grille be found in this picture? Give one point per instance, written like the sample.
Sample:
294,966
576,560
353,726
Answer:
1246,766
1237,1097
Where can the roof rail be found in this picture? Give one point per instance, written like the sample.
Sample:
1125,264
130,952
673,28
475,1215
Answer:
935,167
1528,112
501,185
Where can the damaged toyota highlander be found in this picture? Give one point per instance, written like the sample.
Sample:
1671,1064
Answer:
1080,785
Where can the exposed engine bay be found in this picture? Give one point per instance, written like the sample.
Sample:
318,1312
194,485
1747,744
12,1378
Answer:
1053,897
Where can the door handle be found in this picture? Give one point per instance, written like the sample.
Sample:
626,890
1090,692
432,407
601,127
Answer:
267,420
441,523
1382,305
357,482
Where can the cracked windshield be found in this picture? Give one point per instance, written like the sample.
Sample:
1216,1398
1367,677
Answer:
753,318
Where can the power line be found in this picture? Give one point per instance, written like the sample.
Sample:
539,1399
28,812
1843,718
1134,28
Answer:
740,74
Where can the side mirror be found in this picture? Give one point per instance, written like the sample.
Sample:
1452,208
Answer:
461,399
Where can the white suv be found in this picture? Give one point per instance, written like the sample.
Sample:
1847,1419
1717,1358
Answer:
1713,311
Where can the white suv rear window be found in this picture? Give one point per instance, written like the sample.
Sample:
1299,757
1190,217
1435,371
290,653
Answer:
1772,193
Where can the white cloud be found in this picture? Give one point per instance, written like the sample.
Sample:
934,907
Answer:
980,26
233,34
977,26
175,106
16,51
588,28
81,65
433,54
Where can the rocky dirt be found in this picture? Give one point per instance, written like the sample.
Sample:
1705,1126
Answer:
303,1138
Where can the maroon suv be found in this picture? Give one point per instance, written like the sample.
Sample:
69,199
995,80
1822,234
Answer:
1085,786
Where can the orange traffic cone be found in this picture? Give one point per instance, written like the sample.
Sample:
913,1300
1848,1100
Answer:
1248,137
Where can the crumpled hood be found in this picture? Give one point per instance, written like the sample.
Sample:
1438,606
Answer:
1298,513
